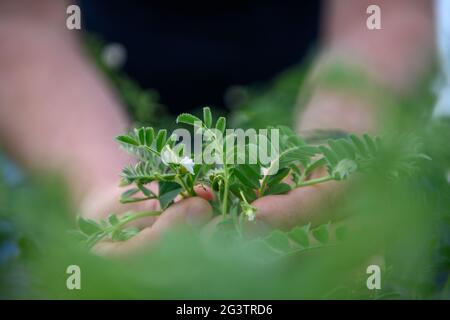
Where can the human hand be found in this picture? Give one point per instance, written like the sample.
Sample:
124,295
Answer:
192,212
300,206
309,204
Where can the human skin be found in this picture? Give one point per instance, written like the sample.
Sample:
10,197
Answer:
395,57
57,113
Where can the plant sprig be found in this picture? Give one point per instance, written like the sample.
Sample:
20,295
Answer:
162,160
112,228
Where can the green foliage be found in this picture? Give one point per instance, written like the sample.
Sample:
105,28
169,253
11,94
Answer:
112,228
236,184
302,238
406,221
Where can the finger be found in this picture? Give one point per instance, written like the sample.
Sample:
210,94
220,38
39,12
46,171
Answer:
99,205
145,222
204,192
200,191
299,206
193,212
211,227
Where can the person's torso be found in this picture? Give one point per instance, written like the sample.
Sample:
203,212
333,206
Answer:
191,53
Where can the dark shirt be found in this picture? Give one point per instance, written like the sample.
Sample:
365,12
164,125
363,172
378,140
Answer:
192,52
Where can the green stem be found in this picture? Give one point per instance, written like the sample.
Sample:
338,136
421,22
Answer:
137,215
131,216
314,181
263,186
225,192
128,217
186,188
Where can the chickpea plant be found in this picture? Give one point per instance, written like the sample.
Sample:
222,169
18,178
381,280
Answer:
161,159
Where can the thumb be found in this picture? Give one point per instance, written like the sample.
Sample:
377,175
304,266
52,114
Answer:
194,212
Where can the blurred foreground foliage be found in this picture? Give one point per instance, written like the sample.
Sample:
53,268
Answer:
402,225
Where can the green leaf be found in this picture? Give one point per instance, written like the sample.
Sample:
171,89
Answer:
124,234
187,118
149,136
296,154
329,155
349,149
370,144
288,138
126,197
133,200
207,117
113,220
88,226
221,124
127,233
249,193
359,145
167,192
300,235
145,191
314,165
140,133
172,140
322,233
94,238
161,139
278,177
246,175
129,193
278,240
251,170
125,139
337,148
280,188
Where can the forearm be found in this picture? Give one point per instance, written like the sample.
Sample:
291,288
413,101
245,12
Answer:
56,112
395,57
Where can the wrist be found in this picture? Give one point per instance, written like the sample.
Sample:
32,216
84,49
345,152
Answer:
334,110
343,96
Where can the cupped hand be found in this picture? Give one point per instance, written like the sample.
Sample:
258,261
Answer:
300,206
192,212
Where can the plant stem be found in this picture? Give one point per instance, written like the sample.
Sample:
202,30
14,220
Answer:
314,181
136,215
263,186
186,188
128,217
225,191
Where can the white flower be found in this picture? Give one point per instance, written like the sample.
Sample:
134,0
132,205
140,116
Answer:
188,164
251,215
249,211
169,156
